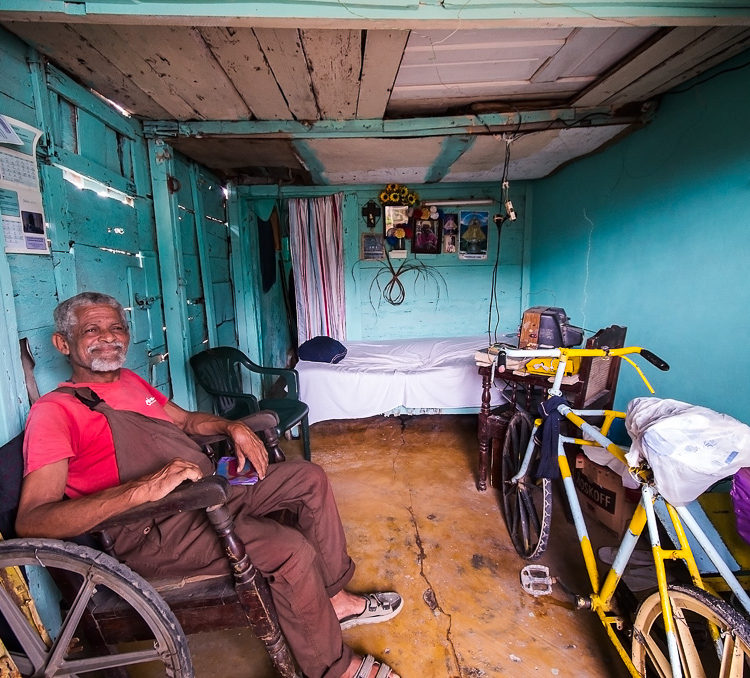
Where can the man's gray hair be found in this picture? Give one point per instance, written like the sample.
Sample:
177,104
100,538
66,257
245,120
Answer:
65,313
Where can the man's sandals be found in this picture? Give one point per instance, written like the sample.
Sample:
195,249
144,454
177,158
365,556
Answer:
379,607
384,671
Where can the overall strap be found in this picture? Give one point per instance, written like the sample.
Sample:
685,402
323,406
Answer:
84,393
142,444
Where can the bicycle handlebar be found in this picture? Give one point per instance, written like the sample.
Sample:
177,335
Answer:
565,353
654,359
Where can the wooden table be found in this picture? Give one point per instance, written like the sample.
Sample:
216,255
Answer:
532,387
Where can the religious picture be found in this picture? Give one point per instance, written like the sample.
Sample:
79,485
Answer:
372,246
472,230
426,239
450,233
396,216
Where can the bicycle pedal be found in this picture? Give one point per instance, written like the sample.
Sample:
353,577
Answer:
536,581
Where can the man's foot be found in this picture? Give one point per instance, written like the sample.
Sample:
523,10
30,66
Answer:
367,667
372,608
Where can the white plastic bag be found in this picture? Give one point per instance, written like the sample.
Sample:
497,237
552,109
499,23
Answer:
688,447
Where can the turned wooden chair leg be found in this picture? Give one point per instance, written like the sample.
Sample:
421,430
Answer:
254,593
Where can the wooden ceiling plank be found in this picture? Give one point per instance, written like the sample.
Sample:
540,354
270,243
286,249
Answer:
334,59
239,54
134,63
717,59
383,52
283,51
75,54
577,48
713,47
181,58
669,43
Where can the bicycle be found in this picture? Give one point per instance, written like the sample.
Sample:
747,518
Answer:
670,625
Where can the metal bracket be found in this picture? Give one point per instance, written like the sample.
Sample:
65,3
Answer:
144,303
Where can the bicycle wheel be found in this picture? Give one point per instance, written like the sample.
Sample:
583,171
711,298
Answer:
93,576
527,503
712,637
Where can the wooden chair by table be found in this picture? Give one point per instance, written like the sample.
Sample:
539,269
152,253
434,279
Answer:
105,604
219,372
594,388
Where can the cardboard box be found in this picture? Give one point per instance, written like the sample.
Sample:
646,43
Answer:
602,494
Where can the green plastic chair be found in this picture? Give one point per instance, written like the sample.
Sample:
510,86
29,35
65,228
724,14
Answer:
219,371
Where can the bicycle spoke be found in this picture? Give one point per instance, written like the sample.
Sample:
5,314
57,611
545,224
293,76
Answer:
658,658
689,654
530,520
732,658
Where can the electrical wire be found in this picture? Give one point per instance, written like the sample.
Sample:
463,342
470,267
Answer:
494,305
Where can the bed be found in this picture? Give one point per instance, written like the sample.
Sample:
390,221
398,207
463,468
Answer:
395,376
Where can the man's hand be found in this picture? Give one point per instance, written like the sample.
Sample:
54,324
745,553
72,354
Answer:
42,512
157,485
247,446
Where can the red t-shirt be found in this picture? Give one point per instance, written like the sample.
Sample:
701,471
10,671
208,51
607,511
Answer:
59,426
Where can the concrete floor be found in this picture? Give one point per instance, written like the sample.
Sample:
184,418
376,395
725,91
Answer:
416,523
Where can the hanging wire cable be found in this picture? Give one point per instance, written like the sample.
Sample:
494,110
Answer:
507,213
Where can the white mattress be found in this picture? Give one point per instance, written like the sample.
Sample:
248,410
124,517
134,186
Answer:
377,377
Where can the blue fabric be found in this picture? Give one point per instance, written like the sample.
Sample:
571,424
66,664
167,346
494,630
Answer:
322,350
547,436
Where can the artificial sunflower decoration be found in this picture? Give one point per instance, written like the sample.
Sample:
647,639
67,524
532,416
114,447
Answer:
398,194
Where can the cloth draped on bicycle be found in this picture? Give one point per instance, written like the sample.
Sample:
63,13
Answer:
688,447
547,435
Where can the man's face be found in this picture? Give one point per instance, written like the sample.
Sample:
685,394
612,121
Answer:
98,341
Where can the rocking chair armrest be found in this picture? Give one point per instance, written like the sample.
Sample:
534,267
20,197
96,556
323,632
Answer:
188,496
258,422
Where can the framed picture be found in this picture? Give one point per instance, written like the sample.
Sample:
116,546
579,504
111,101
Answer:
426,239
472,231
450,233
372,246
395,216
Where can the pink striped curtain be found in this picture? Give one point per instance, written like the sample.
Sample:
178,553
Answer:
316,243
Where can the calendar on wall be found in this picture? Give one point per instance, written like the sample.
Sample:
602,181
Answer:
24,227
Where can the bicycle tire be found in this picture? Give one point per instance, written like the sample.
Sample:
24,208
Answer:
694,610
91,570
527,503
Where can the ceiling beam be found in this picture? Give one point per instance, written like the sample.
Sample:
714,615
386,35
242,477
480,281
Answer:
389,14
476,124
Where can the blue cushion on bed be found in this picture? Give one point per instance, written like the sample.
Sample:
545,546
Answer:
322,350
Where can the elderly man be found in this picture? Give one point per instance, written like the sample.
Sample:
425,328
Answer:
80,469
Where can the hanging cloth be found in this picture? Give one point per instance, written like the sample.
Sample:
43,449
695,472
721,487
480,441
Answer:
316,245
266,254
547,436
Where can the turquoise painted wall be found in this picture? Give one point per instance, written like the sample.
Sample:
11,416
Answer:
653,234
102,244
452,302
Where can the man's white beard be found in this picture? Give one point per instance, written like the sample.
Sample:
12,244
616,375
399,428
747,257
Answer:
103,365
99,364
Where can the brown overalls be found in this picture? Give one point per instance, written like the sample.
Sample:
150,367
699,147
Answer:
305,565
